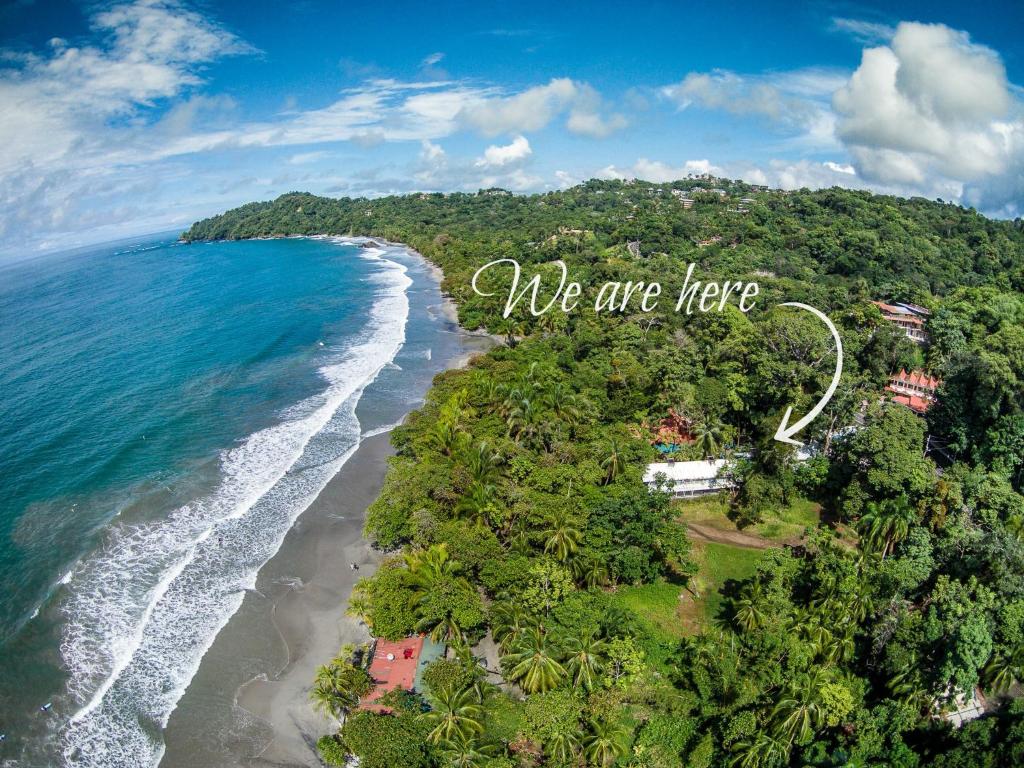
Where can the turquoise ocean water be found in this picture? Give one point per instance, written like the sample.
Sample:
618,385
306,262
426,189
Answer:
166,411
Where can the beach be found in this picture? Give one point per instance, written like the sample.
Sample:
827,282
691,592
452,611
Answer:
247,705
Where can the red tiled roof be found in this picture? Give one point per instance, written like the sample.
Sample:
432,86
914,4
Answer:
393,666
913,402
916,379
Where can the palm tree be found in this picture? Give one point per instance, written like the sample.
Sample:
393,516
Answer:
562,748
1004,669
359,604
426,566
337,688
509,622
483,463
562,536
454,714
613,464
533,662
800,713
605,744
445,436
467,752
747,611
886,523
478,503
761,751
589,571
709,437
583,661
524,420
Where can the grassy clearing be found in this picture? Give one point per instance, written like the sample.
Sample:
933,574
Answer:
785,524
717,565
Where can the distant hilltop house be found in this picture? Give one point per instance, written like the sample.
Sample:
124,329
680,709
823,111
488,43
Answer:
399,664
916,390
683,197
909,317
686,479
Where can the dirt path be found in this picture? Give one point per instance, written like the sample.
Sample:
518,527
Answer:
703,532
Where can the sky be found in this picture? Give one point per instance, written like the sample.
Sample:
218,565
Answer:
123,118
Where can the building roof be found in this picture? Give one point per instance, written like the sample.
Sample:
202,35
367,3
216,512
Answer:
399,664
913,402
916,379
685,471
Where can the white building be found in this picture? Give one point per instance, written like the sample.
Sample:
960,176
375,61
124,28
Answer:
690,478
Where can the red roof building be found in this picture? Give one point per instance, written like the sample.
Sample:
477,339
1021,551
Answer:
398,665
916,390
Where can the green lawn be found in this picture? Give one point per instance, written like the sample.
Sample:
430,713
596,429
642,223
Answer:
785,524
718,564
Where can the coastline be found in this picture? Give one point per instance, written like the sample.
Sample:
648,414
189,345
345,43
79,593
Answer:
247,704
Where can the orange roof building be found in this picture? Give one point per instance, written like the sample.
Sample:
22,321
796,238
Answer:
398,665
916,389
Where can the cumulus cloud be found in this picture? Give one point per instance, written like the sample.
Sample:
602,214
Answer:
536,107
659,172
931,110
796,101
496,156
66,112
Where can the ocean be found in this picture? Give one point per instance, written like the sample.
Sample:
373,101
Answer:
167,411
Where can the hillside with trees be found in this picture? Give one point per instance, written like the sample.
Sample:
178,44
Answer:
518,529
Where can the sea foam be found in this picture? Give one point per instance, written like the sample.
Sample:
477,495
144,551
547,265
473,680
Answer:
145,609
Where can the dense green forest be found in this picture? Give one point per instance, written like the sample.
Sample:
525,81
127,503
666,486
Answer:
889,577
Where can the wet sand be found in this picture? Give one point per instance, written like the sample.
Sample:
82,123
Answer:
248,705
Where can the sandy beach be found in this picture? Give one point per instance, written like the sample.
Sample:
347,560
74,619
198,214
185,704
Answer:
247,704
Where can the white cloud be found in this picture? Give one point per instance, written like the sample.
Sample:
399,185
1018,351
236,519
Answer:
536,107
932,110
865,32
495,156
659,172
69,116
795,101
432,59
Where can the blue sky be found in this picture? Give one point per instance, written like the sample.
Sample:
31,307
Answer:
129,117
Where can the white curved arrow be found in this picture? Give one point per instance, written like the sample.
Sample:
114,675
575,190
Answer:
784,434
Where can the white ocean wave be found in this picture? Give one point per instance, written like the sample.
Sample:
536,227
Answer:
145,609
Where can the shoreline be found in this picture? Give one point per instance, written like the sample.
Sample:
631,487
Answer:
262,663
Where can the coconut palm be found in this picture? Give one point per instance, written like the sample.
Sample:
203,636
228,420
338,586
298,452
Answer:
747,611
533,662
886,523
525,420
483,462
360,605
800,713
509,622
760,751
426,566
605,744
337,688
454,714
1004,669
708,434
562,748
584,659
589,571
562,537
478,503
467,752
613,462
